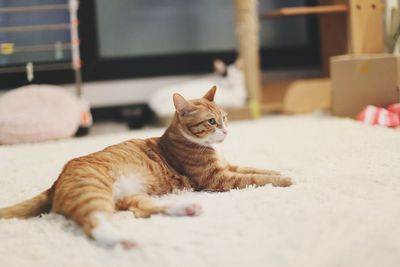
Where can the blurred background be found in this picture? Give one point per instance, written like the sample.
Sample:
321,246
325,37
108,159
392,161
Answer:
134,39
116,55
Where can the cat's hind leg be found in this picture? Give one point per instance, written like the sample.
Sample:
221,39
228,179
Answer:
105,233
94,214
142,206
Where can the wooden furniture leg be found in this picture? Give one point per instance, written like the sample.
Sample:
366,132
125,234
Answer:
366,29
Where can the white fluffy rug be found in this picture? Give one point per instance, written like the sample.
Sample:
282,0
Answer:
344,210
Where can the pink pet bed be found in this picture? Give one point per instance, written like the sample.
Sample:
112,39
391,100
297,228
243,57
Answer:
37,113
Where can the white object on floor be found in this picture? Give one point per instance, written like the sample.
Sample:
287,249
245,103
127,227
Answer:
36,113
231,91
344,211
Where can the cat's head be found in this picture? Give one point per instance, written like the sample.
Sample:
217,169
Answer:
201,121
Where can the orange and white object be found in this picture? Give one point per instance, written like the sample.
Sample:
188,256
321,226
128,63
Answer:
86,116
378,116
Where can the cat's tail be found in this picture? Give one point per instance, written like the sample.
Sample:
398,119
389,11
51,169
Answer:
29,208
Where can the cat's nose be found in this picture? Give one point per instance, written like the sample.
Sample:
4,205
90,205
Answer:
225,131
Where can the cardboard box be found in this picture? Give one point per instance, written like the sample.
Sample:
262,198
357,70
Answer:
361,80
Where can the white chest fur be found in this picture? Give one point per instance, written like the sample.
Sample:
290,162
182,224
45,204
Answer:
127,185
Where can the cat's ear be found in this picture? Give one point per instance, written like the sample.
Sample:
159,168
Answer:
210,94
239,63
219,67
182,106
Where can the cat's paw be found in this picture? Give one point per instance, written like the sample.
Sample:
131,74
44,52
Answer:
128,244
191,209
283,182
124,243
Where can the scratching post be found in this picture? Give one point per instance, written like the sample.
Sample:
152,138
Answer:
366,27
247,35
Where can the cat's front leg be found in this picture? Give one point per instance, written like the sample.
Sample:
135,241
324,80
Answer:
224,180
249,170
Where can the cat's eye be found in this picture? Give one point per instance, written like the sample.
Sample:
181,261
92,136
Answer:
212,121
225,118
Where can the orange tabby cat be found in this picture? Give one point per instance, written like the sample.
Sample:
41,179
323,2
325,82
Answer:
124,176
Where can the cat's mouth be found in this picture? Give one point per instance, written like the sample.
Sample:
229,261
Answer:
209,143
219,137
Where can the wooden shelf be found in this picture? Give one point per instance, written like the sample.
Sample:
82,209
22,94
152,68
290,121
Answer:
28,9
32,28
298,11
58,62
41,48
38,67
272,94
296,95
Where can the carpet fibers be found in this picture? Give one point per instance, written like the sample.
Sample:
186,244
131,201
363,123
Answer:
343,211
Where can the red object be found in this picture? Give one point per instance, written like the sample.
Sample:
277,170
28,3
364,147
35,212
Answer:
395,108
379,116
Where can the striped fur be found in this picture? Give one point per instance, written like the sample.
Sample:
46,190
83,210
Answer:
182,158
